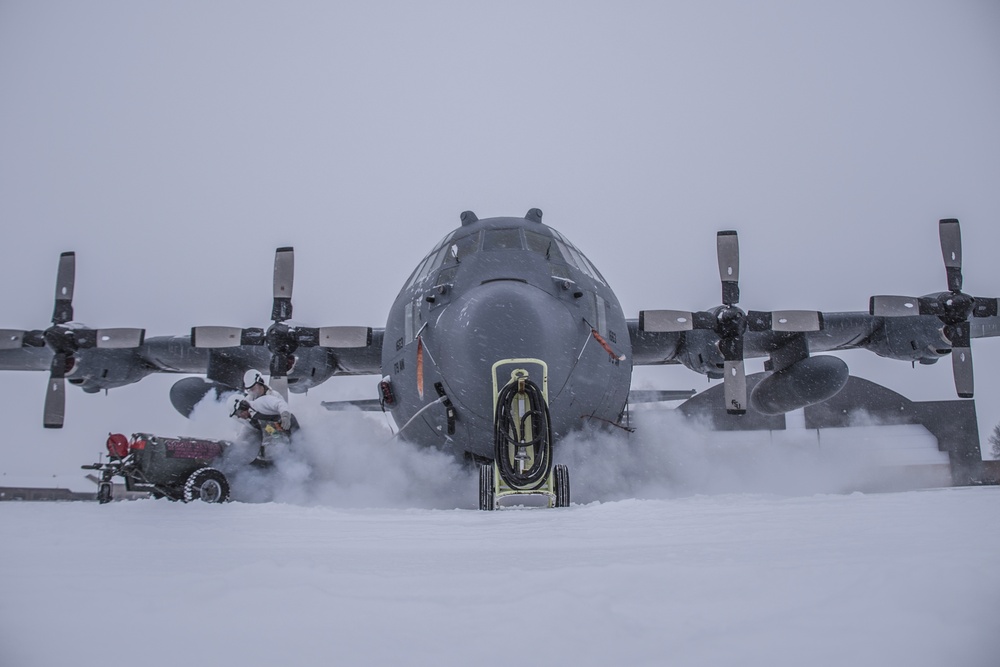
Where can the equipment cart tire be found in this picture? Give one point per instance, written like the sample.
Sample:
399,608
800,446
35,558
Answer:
208,485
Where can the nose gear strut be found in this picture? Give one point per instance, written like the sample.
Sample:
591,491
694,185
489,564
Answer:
522,468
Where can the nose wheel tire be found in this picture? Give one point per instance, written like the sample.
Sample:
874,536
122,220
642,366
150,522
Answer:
487,499
562,485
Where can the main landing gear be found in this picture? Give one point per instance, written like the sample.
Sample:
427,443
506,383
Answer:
522,472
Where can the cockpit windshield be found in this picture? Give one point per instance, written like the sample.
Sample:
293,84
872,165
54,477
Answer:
554,247
502,239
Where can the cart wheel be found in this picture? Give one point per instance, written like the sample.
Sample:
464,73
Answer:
207,484
562,486
486,496
104,493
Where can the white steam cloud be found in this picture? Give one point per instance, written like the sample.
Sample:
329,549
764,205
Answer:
351,459
670,455
342,459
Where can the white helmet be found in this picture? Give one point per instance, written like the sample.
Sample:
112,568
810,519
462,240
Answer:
252,377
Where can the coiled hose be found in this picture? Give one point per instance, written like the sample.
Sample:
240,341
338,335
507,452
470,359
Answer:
509,430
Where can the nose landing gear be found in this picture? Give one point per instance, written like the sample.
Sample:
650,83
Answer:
522,472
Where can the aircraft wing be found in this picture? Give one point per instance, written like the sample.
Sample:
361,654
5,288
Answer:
25,359
716,342
94,369
916,338
296,357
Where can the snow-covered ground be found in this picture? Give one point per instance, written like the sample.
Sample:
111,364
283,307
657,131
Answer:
694,551
735,579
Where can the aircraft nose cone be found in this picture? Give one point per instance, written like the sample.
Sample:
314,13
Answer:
499,320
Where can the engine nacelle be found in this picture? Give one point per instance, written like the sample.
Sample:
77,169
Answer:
98,370
806,382
700,353
187,393
910,339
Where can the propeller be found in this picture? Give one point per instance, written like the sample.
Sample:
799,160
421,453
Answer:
278,338
730,322
281,338
65,338
954,308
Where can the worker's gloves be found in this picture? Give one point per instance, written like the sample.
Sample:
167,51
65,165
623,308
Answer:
286,421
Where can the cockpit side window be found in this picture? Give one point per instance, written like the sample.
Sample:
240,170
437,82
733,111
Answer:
577,258
432,261
502,239
418,273
424,267
436,260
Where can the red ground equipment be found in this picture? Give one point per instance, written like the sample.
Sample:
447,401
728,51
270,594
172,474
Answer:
174,468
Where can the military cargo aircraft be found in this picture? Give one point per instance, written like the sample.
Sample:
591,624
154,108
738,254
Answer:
505,338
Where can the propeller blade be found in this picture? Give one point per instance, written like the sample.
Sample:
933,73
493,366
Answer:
728,249
110,339
120,338
11,339
65,279
279,374
951,250
894,306
961,365
960,336
734,374
55,398
280,385
55,403
796,320
216,337
986,307
280,365
345,336
665,321
284,276
735,387
659,395
791,321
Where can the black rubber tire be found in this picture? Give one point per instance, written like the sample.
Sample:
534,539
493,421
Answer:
486,502
104,493
562,485
208,485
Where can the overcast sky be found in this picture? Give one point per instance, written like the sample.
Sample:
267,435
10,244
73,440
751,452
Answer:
174,145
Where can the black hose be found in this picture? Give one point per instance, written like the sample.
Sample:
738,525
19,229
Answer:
508,431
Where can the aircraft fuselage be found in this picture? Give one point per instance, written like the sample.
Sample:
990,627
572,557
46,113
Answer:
493,296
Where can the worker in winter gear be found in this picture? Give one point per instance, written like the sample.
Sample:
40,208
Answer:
265,403
265,410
